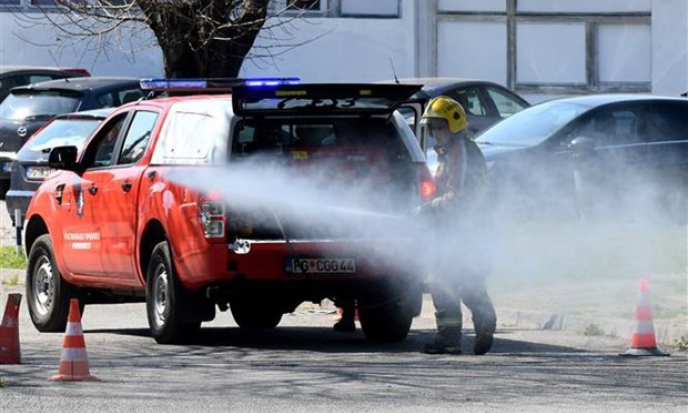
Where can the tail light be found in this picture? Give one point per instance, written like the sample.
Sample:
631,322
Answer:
80,71
427,184
212,217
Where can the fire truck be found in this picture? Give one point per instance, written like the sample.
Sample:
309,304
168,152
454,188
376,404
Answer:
255,195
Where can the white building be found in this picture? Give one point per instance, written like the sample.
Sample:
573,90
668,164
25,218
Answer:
540,48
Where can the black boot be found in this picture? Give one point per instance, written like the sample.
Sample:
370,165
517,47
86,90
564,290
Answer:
438,346
344,326
485,326
483,343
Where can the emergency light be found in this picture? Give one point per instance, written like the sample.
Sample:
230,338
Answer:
213,84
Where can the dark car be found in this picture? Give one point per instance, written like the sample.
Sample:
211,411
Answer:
31,165
13,76
27,108
485,103
599,156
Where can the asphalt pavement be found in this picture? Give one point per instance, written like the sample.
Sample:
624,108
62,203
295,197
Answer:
583,307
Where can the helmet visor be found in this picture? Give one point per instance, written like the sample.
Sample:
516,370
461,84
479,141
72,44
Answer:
435,129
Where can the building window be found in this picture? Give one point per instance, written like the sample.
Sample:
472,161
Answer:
298,6
304,4
377,8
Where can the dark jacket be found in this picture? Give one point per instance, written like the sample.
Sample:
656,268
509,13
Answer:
461,181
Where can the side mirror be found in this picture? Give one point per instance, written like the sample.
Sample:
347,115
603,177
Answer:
582,144
64,157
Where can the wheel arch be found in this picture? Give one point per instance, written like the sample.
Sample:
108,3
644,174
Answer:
35,227
152,235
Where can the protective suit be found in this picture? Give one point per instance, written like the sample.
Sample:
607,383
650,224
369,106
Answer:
462,230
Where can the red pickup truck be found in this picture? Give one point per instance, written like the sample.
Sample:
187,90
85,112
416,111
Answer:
205,200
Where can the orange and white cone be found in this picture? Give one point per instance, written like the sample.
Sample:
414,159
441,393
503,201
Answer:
74,360
643,341
10,352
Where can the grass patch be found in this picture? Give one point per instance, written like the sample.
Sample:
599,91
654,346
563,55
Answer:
4,384
682,343
593,330
10,259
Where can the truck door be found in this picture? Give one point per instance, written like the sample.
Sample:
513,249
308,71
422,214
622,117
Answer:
82,227
116,207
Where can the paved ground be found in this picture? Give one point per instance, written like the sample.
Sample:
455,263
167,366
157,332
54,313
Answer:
572,280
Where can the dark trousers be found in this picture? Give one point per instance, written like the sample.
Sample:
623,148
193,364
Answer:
447,296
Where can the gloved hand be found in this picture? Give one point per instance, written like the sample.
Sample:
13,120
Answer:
418,210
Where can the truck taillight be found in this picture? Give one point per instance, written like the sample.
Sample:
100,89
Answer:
427,184
213,218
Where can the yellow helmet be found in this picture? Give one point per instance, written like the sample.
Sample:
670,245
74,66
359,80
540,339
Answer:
443,107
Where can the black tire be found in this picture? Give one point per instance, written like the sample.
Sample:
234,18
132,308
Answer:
165,297
389,320
47,293
251,315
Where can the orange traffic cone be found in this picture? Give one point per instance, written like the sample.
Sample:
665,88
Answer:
643,342
74,361
9,332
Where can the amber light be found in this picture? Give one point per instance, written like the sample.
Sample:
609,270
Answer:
427,184
427,190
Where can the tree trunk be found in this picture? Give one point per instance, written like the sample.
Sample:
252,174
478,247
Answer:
210,46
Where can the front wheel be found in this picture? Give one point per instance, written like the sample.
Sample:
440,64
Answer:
164,300
47,293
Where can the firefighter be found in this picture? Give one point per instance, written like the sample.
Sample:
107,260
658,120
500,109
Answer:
461,231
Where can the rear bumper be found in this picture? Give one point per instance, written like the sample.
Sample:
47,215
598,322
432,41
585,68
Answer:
264,270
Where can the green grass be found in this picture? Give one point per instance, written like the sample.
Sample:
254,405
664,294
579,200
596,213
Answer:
3,383
10,259
682,343
593,330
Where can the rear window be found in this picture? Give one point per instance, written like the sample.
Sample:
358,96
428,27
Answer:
299,139
62,132
19,106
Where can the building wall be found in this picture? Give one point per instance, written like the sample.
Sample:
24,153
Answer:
540,48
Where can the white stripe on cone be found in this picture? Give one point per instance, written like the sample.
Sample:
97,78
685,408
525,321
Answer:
645,327
74,354
74,329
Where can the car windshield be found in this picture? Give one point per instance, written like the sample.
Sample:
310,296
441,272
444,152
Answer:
62,132
19,106
533,125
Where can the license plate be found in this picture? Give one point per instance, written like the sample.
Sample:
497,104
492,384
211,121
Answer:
6,166
305,266
38,173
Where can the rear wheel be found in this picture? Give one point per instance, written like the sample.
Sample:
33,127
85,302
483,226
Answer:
47,293
388,320
165,297
252,315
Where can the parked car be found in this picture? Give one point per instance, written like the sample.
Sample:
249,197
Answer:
599,156
485,103
172,202
27,108
13,76
31,167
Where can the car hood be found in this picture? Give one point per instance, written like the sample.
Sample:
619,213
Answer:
14,133
494,152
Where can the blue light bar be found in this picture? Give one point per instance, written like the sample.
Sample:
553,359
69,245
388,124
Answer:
268,81
173,84
213,84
